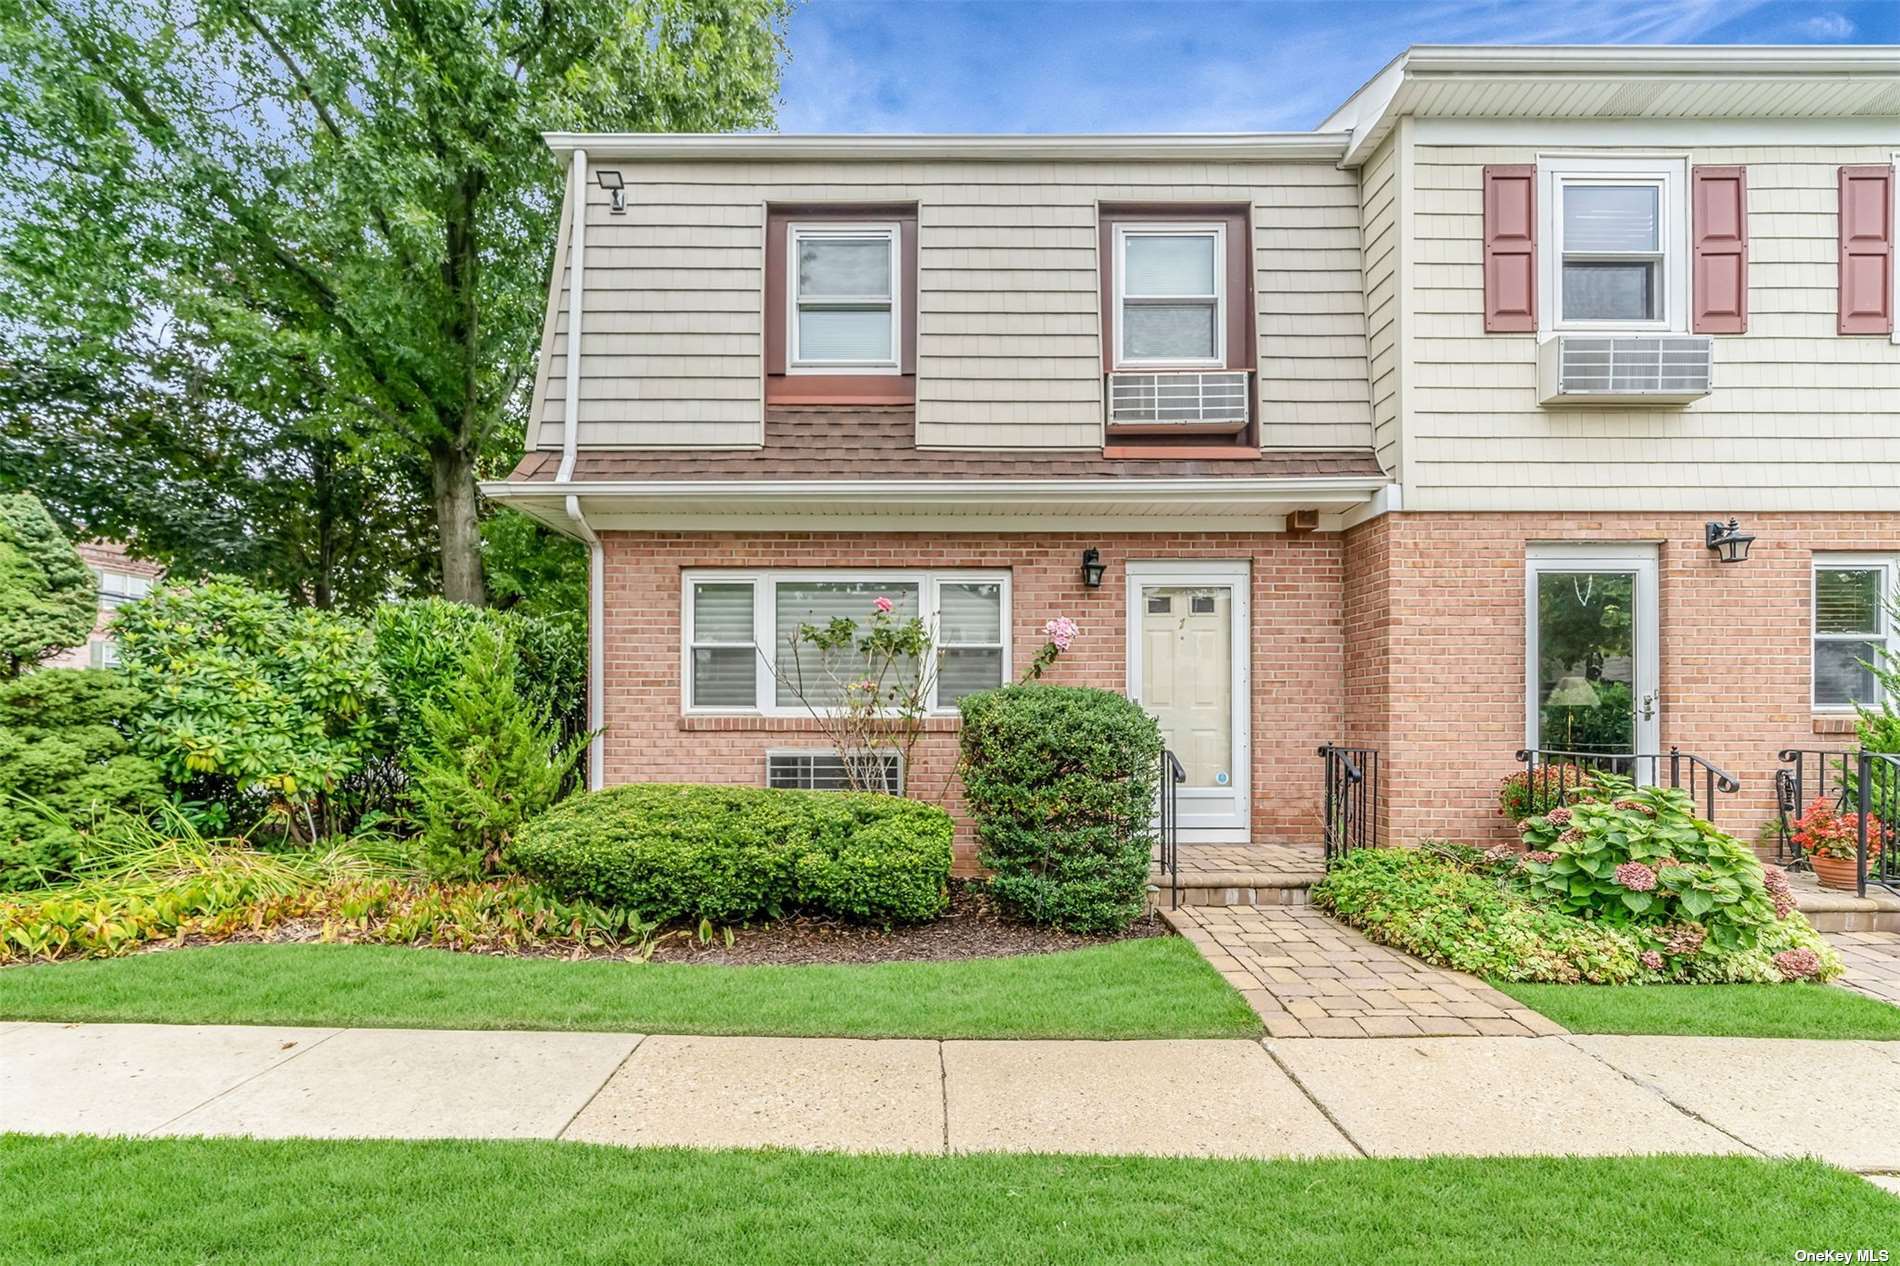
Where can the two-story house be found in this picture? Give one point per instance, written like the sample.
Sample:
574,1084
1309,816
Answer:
1408,431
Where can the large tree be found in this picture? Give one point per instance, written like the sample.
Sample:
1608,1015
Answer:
329,219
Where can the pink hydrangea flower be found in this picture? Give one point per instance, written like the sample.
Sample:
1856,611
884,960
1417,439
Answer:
1650,959
1540,855
1775,880
1666,861
1560,816
1062,631
1798,964
1684,940
884,605
1636,877
1571,836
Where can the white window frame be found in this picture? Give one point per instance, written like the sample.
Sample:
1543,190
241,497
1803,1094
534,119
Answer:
893,238
1171,228
765,584
1670,176
1889,634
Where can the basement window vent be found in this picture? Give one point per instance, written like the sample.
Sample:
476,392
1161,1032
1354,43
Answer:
825,771
1657,369
1204,403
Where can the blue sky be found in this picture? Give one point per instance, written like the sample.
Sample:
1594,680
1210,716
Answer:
1177,65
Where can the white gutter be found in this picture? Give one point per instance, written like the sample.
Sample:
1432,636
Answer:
570,450
970,491
1051,147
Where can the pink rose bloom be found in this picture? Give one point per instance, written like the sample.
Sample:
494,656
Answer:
1062,631
883,605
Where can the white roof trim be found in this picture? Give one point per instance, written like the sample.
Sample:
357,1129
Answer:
1319,146
966,491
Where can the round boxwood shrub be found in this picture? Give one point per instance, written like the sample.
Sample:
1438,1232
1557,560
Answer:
1061,783
730,854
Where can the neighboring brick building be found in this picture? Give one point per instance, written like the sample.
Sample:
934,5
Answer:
1405,432
122,579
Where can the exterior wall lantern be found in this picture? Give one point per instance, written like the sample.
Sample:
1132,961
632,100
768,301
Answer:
1729,542
615,186
1093,568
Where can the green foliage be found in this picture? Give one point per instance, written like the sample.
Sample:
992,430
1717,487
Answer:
422,645
865,684
1436,904
152,881
343,210
48,597
1539,790
491,762
1061,783
238,684
64,763
533,571
731,854
1642,856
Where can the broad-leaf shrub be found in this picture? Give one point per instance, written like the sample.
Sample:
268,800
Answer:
1642,856
239,685
1539,790
63,764
1428,902
489,762
731,854
1060,781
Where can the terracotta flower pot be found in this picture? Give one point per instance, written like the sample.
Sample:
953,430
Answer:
1833,872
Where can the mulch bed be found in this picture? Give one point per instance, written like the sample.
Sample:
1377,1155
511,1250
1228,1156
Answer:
972,928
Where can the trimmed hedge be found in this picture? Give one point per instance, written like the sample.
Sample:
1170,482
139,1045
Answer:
1061,782
730,854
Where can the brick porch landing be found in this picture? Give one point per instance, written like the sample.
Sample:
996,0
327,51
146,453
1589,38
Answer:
1873,962
1308,976
1245,874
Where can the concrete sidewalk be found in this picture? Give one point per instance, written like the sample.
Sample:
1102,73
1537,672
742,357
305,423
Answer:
1309,1097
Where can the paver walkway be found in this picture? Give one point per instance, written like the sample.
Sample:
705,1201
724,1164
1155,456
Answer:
1873,962
1308,976
1315,1097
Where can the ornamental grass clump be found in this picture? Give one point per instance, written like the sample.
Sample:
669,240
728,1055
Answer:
1699,903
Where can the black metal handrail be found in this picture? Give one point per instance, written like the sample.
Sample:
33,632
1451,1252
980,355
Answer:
1349,803
1702,776
1172,776
1877,804
1806,774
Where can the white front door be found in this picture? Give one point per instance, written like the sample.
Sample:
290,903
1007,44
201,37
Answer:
1591,650
1187,665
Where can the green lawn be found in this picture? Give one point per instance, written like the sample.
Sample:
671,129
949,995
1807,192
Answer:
1158,987
1712,1010
75,1200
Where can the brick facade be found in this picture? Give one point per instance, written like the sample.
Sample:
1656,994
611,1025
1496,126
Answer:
1734,649
1298,647
1405,634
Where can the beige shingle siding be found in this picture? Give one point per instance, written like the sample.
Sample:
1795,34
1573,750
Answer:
1379,202
1800,417
1009,309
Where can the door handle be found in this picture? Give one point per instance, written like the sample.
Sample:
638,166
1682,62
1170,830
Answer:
1649,707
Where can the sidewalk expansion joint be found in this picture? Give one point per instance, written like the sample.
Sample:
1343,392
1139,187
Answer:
1660,1093
1312,1098
239,1085
638,1041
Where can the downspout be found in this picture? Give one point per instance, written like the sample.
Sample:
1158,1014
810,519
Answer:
570,450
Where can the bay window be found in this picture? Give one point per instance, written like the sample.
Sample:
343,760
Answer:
1853,625
739,627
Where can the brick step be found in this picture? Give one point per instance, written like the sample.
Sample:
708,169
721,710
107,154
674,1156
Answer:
1830,911
1230,888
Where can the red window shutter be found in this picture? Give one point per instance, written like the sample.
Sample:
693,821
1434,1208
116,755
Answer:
1719,202
1510,249
1866,250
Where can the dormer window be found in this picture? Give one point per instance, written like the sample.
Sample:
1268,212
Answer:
845,316
1619,257
1171,295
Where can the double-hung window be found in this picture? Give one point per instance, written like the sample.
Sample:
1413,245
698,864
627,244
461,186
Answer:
1853,625
1619,258
743,653
845,316
1171,306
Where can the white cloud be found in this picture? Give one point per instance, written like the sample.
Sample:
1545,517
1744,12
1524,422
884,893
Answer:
1828,26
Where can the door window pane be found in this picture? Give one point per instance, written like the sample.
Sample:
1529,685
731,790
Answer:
1168,331
1611,219
1170,265
1586,662
823,677
1601,291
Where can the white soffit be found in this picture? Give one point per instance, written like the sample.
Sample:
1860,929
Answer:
1566,82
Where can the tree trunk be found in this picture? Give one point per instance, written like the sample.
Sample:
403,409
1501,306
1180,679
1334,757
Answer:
452,473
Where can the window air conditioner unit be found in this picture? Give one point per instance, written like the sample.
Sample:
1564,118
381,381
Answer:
1634,368
825,771
1192,402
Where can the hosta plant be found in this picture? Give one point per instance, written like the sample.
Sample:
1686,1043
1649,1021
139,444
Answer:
1641,856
